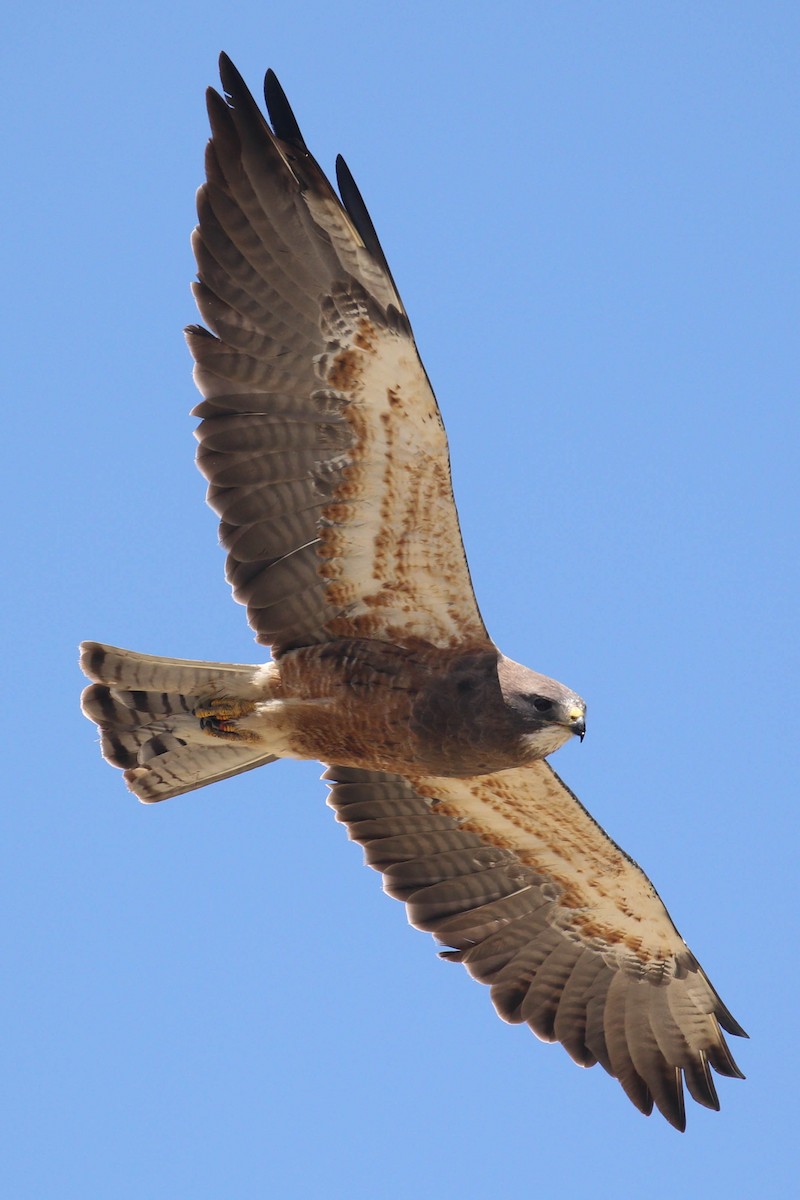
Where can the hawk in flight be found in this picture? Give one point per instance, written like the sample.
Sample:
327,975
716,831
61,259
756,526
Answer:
327,463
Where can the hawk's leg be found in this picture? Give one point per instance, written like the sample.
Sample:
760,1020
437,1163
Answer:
218,718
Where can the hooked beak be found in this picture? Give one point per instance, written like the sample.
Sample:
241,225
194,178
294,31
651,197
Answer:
577,722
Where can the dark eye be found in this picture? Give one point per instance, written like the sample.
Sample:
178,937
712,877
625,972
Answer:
541,703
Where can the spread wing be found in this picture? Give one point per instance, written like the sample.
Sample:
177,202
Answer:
321,438
512,873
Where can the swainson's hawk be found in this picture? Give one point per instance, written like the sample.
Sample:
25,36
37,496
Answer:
328,465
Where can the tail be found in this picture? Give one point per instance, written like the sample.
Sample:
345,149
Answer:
145,708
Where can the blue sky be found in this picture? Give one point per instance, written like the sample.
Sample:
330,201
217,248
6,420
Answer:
590,210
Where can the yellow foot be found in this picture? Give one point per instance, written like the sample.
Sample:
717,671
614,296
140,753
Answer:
218,718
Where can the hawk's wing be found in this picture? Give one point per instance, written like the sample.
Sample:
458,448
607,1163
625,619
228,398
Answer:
321,438
512,872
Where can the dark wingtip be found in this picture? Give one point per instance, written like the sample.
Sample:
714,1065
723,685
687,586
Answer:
280,112
190,331
677,1122
353,202
731,1025
232,81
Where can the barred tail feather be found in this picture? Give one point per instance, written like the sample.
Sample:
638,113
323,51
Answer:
144,708
128,669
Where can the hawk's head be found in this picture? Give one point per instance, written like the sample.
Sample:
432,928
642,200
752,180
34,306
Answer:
548,713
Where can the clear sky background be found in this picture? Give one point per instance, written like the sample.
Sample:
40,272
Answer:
591,213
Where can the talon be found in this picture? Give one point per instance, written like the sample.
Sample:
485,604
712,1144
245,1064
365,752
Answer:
216,725
218,718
